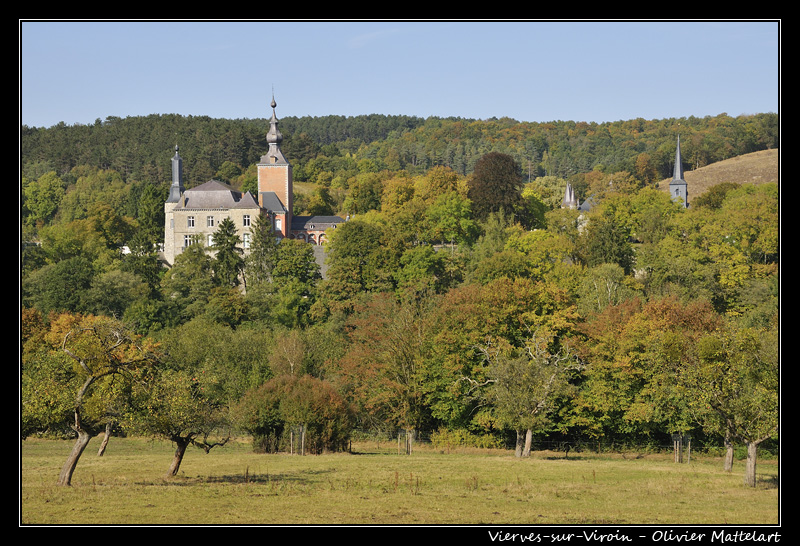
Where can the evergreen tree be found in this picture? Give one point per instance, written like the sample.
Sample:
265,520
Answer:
228,262
260,261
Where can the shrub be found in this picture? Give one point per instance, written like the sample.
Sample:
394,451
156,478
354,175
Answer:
273,410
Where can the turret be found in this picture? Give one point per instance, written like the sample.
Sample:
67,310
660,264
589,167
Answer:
176,189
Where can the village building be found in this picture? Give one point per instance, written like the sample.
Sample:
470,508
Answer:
678,188
195,214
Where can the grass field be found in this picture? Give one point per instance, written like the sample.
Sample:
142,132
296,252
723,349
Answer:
376,486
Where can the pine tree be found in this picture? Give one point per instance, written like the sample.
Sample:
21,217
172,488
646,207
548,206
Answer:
260,261
228,262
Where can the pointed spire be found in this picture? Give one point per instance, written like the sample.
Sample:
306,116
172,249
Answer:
569,201
176,189
678,169
678,188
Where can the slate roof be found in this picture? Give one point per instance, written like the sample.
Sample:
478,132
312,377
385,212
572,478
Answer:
318,222
271,202
587,205
216,195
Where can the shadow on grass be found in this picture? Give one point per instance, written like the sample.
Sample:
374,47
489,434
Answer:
769,482
303,478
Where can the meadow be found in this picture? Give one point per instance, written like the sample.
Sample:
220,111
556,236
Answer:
374,485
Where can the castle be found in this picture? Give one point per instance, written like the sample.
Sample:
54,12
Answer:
196,213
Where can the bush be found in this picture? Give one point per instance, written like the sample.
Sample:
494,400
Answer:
284,404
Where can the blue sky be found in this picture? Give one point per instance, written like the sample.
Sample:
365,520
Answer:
77,72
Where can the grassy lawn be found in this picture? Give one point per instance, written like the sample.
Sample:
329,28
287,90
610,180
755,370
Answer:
374,485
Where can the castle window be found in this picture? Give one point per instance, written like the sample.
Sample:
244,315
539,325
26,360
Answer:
187,240
246,240
246,220
278,224
209,221
210,240
190,221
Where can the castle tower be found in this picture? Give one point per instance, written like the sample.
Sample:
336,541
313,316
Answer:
176,189
175,195
275,180
678,188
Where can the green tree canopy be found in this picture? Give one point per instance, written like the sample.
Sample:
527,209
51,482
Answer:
495,185
228,259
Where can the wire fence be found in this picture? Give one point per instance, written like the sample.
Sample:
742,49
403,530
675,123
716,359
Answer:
405,440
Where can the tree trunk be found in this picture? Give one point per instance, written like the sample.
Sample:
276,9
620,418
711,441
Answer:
180,450
520,444
750,472
528,441
65,478
104,443
728,464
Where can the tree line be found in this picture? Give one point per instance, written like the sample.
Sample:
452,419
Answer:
463,303
331,149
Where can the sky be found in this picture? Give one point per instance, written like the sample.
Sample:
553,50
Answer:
595,71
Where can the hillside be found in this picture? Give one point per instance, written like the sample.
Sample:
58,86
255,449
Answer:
754,168
333,149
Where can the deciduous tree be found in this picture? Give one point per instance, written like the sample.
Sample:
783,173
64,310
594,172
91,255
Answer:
180,406
734,386
495,184
290,403
526,383
88,388
383,364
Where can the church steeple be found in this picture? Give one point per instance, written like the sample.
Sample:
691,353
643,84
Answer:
677,172
678,187
176,189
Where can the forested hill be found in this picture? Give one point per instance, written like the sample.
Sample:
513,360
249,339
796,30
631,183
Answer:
451,265
330,147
